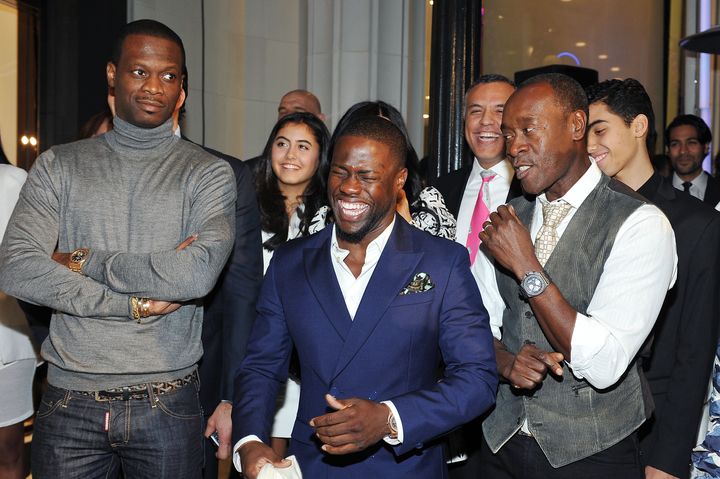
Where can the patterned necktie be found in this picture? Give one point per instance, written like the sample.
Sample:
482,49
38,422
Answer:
480,215
547,237
686,186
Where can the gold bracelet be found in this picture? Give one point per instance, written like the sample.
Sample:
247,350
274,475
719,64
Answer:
134,305
144,307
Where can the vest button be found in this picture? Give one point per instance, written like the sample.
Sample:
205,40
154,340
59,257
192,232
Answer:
528,314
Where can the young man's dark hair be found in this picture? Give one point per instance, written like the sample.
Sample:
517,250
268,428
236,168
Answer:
568,92
379,129
704,135
145,27
627,99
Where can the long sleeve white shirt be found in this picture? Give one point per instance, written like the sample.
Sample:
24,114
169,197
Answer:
641,267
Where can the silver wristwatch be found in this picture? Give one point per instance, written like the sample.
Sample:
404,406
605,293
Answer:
534,283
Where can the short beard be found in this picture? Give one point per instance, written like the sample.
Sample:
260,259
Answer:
359,235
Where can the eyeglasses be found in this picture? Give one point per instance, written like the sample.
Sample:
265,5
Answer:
527,133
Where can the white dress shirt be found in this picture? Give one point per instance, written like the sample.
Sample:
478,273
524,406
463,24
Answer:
495,194
352,289
640,268
698,187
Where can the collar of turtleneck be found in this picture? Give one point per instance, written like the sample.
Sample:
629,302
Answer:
130,140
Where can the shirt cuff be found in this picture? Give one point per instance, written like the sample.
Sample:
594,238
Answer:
586,344
400,436
236,455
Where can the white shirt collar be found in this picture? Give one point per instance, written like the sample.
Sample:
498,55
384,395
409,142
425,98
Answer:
373,251
582,187
503,168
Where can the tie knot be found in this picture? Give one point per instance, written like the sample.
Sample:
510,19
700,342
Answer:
553,213
487,175
686,186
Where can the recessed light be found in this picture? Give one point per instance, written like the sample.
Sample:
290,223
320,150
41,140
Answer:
602,56
614,69
580,44
426,116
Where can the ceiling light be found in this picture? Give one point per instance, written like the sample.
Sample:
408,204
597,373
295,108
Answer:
24,140
602,56
614,69
580,44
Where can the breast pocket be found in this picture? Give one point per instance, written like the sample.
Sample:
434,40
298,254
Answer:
413,298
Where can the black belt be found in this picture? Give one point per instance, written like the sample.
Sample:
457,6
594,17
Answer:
140,391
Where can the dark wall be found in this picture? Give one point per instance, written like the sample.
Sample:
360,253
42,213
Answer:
76,39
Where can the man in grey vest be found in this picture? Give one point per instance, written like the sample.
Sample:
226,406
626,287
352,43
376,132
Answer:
583,270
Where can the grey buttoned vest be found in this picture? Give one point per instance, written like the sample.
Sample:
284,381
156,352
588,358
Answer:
569,418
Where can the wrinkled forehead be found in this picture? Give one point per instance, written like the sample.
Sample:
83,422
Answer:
298,102
532,103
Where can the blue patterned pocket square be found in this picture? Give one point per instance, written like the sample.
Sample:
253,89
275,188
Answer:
419,284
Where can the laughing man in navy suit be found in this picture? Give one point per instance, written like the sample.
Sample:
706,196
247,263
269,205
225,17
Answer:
373,306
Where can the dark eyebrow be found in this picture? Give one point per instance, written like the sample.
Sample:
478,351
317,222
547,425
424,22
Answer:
281,136
595,123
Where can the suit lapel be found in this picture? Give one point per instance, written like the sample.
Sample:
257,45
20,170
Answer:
321,276
394,270
515,189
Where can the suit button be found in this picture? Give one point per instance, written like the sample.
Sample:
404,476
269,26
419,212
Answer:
334,391
528,314
419,445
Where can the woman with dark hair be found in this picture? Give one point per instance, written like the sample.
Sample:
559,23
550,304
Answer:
290,185
424,207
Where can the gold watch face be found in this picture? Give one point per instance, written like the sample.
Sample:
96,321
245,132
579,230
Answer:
78,255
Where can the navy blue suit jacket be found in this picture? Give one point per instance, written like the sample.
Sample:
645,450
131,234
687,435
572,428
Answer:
392,350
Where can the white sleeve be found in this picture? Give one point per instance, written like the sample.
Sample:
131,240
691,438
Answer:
483,271
640,269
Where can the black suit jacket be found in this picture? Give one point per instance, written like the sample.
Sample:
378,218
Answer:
452,187
230,307
685,335
712,192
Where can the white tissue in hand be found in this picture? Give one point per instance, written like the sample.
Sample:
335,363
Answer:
269,471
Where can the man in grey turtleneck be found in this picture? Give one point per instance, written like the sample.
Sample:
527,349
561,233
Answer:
149,219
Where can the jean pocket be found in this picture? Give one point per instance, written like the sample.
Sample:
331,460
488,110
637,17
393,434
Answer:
51,401
181,404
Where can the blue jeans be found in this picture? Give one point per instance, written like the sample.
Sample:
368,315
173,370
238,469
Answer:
76,436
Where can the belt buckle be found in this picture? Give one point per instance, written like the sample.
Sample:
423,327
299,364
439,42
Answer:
99,397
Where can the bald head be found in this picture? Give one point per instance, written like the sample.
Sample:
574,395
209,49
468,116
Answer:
299,101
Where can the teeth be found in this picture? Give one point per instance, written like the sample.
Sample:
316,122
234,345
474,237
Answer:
523,168
352,206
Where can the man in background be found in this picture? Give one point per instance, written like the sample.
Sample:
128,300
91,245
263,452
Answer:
688,142
620,128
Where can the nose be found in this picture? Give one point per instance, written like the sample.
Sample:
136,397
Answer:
350,186
486,117
515,146
591,145
152,85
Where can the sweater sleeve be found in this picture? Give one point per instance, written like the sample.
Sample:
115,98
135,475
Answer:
179,275
27,270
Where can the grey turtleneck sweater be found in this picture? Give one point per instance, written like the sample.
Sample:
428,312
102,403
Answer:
131,196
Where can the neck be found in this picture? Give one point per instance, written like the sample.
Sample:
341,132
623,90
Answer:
131,140
637,171
487,164
578,168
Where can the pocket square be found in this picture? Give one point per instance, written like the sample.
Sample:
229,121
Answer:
419,284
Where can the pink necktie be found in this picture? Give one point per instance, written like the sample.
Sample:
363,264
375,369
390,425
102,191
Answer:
480,216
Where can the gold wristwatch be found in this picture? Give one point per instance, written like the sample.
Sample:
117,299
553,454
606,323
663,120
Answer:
77,259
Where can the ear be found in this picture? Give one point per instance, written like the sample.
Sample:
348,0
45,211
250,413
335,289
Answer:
639,126
579,123
401,178
110,70
706,148
322,117
180,100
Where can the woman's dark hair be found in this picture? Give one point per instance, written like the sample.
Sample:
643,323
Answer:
414,182
3,159
272,202
95,122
